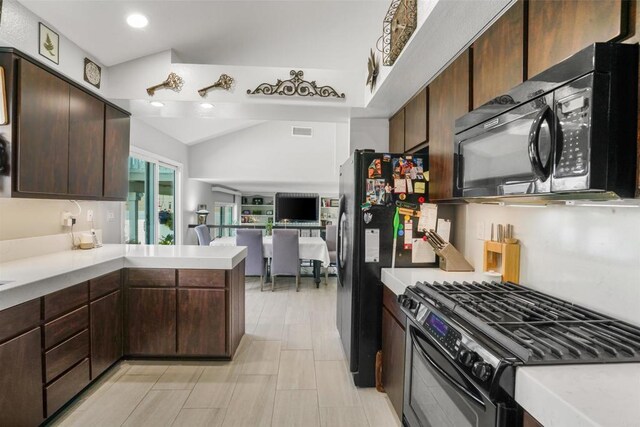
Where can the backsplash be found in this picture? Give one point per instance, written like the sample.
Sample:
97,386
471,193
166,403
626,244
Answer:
24,218
587,255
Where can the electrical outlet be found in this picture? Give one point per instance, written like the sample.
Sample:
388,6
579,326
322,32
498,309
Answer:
110,216
66,219
480,230
89,215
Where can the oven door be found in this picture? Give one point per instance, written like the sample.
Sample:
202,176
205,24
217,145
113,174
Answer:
437,393
511,154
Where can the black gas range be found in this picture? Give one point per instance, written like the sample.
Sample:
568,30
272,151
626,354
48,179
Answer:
465,340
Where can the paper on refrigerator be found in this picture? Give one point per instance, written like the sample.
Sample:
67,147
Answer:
428,217
372,245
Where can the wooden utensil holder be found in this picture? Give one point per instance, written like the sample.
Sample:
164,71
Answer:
508,253
452,260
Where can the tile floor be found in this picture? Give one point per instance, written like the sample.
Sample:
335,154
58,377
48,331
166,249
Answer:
289,371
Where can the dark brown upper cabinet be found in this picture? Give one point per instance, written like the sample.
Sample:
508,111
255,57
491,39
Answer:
415,116
86,144
498,56
396,132
69,143
558,29
448,100
43,131
116,149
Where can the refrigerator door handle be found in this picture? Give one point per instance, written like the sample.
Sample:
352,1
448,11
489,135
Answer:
340,249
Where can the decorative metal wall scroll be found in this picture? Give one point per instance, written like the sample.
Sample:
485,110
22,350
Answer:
173,82
295,86
373,66
398,25
224,82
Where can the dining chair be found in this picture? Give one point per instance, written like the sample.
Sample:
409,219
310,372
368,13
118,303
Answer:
285,260
254,263
331,237
204,238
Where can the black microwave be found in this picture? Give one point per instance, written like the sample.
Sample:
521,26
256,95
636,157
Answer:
569,132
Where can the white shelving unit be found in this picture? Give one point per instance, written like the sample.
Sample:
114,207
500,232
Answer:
329,213
254,213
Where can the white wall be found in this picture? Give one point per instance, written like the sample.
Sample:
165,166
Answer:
369,133
587,255
20,28
266,158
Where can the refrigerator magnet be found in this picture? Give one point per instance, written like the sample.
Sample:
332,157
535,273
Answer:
367,217
386,157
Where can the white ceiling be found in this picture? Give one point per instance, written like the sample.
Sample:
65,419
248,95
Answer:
295,33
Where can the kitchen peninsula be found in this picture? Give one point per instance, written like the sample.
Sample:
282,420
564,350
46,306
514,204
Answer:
66,317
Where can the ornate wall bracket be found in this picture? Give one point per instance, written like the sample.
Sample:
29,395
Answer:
173,82
398,25
296,86
224,82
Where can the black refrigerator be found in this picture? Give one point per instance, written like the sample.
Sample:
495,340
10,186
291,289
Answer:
373,188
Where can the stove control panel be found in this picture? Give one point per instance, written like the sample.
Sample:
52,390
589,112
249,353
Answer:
447,336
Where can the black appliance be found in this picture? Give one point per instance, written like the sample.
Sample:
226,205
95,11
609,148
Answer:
464,342
567,133
366,207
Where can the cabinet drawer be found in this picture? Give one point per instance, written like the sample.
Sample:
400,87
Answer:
390,301
64,388
150,277
65,300
202,278
104,284
65,355
19,318
66,326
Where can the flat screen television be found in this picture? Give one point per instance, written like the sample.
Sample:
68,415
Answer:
297,207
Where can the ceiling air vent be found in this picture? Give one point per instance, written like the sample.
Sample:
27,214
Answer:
300,131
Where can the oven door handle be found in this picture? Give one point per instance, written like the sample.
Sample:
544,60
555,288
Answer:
452,382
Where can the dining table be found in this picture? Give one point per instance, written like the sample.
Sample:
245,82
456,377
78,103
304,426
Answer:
310,248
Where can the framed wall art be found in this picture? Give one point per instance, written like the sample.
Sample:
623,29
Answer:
49,44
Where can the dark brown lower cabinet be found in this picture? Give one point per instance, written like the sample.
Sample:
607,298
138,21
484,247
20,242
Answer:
151,321
21,380
393,344
68,385
202,326
106,332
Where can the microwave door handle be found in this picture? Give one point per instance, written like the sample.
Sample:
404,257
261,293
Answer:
443,374
534,143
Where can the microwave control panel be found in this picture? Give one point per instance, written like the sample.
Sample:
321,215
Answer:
573,113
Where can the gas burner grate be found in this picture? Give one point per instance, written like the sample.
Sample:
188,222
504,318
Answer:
537,327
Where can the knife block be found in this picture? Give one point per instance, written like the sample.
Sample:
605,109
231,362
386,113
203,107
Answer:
508,253
452,260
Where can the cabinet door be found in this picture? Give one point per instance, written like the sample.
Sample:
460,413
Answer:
415,116
116,154
86,144
106,332
396,132
448,100
151,321
558,29
393,360
202,326
498,56
21,381
43,131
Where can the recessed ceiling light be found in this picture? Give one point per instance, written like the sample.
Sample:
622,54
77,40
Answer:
137,21
157,104
206,105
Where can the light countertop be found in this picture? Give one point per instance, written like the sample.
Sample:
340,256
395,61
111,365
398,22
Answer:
34,277
560,395
581,395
